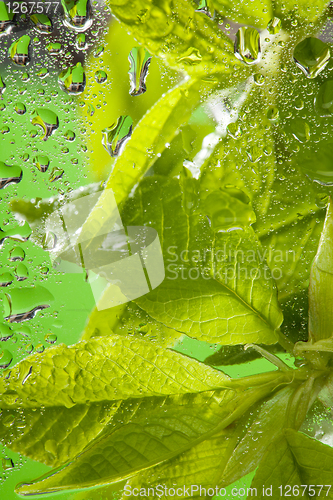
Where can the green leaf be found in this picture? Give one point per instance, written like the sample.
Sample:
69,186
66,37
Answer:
201,465
254,13
156,129
295,460
225,457
268,422
54,435
216,289
237,355
147,432
182,37
321,284
104,368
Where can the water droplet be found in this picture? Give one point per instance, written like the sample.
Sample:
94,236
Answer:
191,57
21,272
19,51
21,304
80,42
43,73
139,59
20,108
7,22
7,463
70,135
17,233
99,51
274,26
324,100
40,348
46,119
54,48
90,109
259,79
25,77
51,338
6,358
2,87
5,332
29,348
2,106
273,114
42,162
206,7
8,420
44,270
143,16
77,15
311,56
56,173
254,153
6,279
73,80
116,136
9,174
320,170
42,23
300,130
247,45
16,254
234,130
101,76
5,129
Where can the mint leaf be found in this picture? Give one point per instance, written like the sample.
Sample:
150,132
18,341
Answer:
231,298
267,423
321,282
178,34
104,368
294,459
146,432
54,435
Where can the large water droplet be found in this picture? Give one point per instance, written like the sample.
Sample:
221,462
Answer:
139,59
115,136
73,80
320,170
21,304
247,45
56,173
21,272
273,114
17,233
300,130
99,51
324,99
19,51
70,135
9,174
77,14
5,332
16,254
191,57
227,212
101,76
254,153
54,48
80,42
20,108
6,279
42,162
42,23
206,7
2,87
234,130
6,20
311,55
274,26
6,358
46,119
